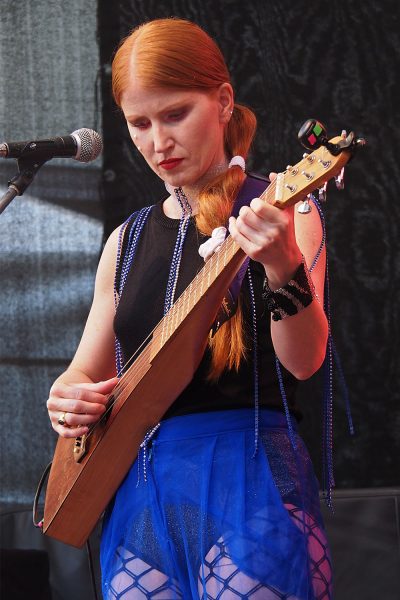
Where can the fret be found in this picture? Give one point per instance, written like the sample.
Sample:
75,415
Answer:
174,316
168,323
217,267
201,278
197,288
189,289
208,268
158,337
196,291
163,325
181,308
186,301
167,319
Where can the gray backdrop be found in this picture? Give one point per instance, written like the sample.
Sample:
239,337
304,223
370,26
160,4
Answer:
50,237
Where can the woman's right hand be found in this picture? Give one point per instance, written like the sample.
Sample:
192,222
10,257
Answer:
78,405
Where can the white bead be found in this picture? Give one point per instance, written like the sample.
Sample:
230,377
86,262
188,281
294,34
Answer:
239,162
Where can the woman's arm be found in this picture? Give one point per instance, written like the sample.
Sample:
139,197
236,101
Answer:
278,238
300,340
81,391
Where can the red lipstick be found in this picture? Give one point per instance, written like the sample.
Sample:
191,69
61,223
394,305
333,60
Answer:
170,163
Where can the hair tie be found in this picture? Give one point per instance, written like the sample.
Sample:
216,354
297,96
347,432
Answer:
238,161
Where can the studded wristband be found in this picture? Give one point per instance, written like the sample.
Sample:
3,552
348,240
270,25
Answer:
291,298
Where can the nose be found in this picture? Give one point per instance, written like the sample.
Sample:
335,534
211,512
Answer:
161,138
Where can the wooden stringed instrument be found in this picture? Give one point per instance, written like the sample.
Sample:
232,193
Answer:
87,471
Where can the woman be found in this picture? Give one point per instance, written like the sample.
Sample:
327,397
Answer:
223,503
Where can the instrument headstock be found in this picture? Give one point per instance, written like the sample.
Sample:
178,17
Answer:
326,160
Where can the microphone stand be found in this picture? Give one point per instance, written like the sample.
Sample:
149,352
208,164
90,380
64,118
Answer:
27,169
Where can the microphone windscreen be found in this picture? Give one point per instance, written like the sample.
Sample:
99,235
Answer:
89,144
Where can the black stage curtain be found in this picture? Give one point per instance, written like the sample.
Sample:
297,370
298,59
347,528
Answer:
290,61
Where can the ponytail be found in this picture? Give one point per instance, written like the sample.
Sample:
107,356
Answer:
216,203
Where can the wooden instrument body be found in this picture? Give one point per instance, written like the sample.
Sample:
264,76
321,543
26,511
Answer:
78,493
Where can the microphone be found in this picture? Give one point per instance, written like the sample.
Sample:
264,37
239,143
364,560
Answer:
84,145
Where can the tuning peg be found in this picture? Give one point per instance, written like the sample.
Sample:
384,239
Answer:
339,180
322,192
305,206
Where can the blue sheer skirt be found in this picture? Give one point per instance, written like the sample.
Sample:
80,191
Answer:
200,515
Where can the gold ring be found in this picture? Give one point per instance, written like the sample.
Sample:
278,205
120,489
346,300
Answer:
62,420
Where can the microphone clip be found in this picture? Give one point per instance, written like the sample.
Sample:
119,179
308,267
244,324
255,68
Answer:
28,166
27,169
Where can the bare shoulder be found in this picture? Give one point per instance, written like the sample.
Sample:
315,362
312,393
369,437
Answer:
108,261
95,354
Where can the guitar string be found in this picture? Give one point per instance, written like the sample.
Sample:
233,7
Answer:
140,365
141,362
265,196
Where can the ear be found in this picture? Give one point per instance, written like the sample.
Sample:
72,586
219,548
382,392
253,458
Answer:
226,102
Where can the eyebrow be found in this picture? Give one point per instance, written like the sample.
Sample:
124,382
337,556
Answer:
174,106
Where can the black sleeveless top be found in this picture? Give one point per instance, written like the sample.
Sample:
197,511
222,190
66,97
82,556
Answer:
141,307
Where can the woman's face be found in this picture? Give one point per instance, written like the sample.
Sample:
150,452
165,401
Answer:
179,132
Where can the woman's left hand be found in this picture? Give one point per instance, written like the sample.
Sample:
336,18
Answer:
267,235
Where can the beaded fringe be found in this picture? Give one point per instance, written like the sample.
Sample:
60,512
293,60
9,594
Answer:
139,219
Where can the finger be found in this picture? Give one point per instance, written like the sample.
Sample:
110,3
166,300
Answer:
71,432
73,392
63,421
268,212
258,232
74,424
102,387
79,420
260,222
244,242
248,217
69,419
71,405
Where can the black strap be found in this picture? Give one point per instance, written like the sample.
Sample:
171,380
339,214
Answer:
43,478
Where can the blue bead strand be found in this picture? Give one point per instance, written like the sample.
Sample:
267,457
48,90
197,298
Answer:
285,403
177,254
143,452
138,220
331,359
344,388
255,364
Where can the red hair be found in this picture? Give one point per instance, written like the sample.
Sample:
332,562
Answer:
177,53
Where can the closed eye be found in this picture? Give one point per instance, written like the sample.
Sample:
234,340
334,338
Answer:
177,115
142,124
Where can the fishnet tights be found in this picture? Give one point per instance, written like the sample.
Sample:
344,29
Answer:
135,579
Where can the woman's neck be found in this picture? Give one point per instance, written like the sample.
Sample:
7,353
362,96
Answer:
172,208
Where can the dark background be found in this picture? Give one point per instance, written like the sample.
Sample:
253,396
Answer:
338,62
